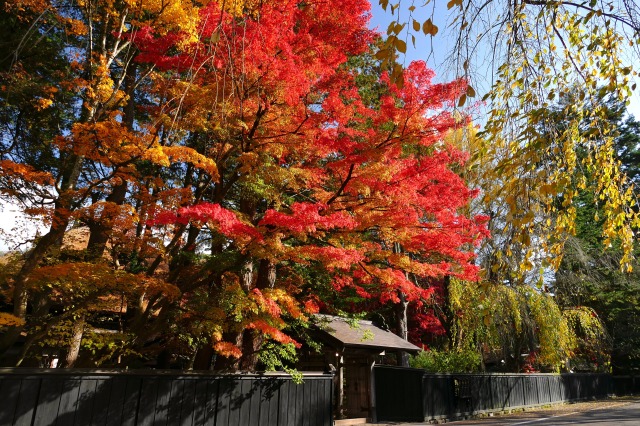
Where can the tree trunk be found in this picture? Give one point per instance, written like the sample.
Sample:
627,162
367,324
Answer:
76,339
448,317
203,358
101,228
402,323
403,327
252,340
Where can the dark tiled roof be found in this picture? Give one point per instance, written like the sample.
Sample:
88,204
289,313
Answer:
361,334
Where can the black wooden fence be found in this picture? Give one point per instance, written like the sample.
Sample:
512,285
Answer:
406,394
74,397
626,385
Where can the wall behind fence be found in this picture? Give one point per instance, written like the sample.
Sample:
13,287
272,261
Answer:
406,394
73,397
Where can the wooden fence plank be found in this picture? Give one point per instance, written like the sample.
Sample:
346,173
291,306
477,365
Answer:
48,401
57,397
175,401
111,395
188,408
454,395
204,402
68,401
131,403
10,392
226,410
284,407
85,401
147,398
27,401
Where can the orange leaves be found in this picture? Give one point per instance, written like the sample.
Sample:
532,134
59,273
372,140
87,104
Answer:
276,302
20,6
107,142
25,173
332,257
272,332
311,306
227,349
111,143
84,281
75,27
116,215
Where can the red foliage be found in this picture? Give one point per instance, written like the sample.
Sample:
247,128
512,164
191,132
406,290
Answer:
225,221
318,177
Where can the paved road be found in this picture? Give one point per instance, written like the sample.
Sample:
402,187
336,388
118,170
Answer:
601,413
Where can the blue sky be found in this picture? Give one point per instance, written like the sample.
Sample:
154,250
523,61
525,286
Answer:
435,51
423,50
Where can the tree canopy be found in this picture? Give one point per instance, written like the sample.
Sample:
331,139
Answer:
538,52
212,175
224,173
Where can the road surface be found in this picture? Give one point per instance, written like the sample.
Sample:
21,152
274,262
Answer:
601,413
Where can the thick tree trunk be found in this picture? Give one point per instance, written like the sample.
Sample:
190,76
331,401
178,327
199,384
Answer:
252,340
76,339
102,227
203,357
403,327
402,323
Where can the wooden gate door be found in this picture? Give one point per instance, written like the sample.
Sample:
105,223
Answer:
357,387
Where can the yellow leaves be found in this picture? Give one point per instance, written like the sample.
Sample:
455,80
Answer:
111,143
157,155
180,15
548,189
248,162
75,27
190,155
42,103
239,7
8,320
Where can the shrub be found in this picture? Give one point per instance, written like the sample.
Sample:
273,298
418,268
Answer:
463,361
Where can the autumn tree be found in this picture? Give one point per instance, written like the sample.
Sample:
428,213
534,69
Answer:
538,52
218,155
589,277
71,144
327,195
